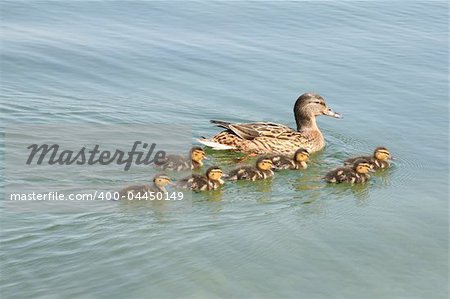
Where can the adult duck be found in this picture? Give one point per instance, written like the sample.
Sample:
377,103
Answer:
268,137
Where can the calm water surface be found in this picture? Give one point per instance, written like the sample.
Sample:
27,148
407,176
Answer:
383,65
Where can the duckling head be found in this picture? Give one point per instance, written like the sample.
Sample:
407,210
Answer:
214,173
162,180
381,153
301,155
310,105
264,163
362,166
198,154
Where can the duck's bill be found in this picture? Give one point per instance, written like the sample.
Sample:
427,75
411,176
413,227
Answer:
331,113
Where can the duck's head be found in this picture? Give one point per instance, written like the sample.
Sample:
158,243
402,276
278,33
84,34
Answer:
381,153
214,173
198,154
362,166
264,163
301,155
309,105
162,180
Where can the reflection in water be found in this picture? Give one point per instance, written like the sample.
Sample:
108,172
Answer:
361,191
339,191
160,208
215,195
384,177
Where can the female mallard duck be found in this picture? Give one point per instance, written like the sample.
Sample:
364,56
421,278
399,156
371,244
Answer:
298,160
159,184
180,163
261,171
357,173
267,137
379,159
212,180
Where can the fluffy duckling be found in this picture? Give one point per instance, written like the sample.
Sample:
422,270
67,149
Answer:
357,173
379,160
212,180
298,161
262,170
159,184
180,163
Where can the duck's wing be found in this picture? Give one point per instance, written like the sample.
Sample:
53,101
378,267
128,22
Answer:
281,162
242,173
193,182
338,175
250,131
185,183
175,162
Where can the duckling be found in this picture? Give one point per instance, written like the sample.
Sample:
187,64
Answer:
298,161
357,173
212,180
180,163
262,170
272,138
379,160
159,184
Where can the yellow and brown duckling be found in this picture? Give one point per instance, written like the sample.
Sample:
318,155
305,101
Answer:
357,173
379,159
158,185
297,161
212,180
270,138
181,163
262,170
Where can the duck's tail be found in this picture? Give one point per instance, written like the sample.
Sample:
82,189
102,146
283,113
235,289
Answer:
214,145
221,123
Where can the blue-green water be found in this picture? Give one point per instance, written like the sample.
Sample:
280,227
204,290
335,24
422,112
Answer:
383,65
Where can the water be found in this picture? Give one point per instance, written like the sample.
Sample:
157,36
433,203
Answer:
383,65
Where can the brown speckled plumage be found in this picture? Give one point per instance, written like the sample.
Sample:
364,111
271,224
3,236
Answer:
197,182
290,162
182,163
268,137
252,173
349,174
379,159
